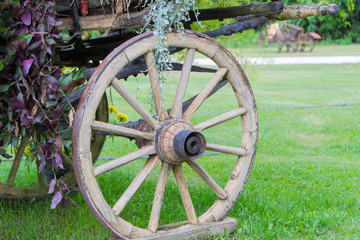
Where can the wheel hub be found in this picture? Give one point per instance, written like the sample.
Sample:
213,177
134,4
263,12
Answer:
177,141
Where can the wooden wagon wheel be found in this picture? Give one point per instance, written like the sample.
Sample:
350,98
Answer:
170,140
8,189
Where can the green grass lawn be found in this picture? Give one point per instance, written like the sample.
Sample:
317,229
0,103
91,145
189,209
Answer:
304,183
252,50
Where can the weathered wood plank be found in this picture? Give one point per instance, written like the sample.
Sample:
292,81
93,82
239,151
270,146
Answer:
188,232
103,22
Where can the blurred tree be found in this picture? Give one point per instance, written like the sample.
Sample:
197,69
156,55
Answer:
342,28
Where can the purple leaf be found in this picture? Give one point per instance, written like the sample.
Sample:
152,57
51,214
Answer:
64,184
57,73
38,16
42,59
80,81
58,111
64,203
15,44
36,63
68,88
27,64
53,81
17,104
21,56
35,45
26,2
7,76
56,200
49,156
26,17
53,22
51,186
26,118
47,123
48,50
21,30
58,160
39,118
42,164
74,203
23,44
65,188
45,146
51,97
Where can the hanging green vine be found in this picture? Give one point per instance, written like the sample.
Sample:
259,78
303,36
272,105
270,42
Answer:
166,16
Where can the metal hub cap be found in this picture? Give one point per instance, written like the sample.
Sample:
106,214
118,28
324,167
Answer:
177,141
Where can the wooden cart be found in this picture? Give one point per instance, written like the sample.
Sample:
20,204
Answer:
175,134
293,37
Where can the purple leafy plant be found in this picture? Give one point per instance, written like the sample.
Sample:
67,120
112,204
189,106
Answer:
31,93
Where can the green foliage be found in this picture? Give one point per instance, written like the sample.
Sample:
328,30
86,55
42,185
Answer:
344,27
166,16
91,34
228,41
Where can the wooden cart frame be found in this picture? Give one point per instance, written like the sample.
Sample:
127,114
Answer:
168,139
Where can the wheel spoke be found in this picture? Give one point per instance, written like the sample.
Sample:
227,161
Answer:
226,149
118,130
142,152
16,162
220,119
155,85
150,164
200,98
185,195
66,159
119,87
176,110
218,86
159,197
207,179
